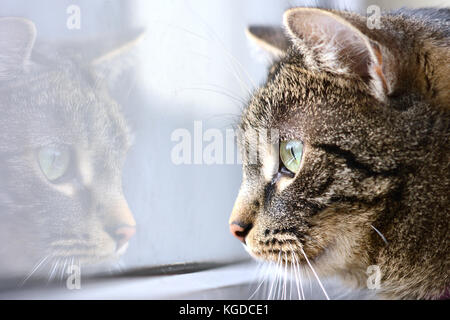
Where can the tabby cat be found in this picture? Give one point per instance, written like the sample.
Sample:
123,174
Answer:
63,143
359,175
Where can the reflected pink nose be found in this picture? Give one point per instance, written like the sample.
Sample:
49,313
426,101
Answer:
123,235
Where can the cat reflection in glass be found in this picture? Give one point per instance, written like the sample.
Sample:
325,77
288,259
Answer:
62,147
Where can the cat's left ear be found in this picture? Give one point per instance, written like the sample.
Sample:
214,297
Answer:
333,43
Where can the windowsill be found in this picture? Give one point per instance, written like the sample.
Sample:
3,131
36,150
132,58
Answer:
179,286
234,282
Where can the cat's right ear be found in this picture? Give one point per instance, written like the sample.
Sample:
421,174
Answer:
115,55
17,37
271,39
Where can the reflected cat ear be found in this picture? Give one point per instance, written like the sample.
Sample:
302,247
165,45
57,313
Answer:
116,47
271,39
331,42
115,55
17,36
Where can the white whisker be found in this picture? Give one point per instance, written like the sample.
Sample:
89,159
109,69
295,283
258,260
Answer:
280,280
290,281
380,234
285,278
315,274
298,279
232,61
261,282
276,276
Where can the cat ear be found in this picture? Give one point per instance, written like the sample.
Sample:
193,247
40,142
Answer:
115,56
330,42
17,36
271,39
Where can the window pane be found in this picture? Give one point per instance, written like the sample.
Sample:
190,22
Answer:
118,146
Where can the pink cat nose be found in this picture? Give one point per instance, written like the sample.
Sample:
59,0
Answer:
240,230
123,234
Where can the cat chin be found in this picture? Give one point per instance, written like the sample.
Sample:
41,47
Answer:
254,255
325,267
326,263
99,261
331,262
99,264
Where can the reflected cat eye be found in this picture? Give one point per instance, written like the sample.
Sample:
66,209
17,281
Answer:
291,155
54,161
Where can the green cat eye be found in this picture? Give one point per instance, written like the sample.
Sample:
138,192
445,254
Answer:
291,154
54,161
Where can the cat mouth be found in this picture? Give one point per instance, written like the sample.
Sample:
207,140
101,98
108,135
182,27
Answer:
88,259
88,254
286,250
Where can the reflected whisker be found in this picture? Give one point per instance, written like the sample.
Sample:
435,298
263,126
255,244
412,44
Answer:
38,265
55,265
63,268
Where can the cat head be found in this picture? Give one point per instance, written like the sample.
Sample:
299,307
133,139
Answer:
330,141
63,144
